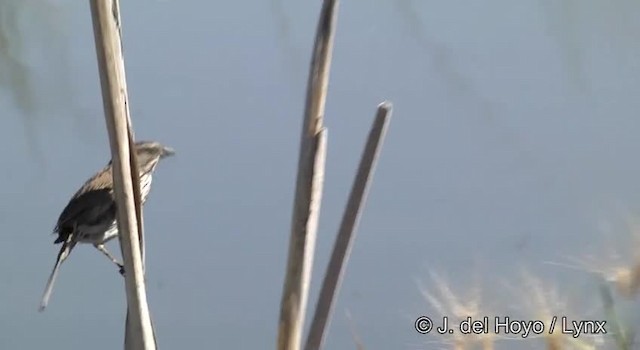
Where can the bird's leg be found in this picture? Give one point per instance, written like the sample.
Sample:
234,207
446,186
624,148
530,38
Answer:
104,251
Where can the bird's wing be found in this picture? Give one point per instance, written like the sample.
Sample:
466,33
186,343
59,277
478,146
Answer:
91,207
93,203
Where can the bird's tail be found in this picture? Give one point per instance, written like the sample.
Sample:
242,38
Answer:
65,250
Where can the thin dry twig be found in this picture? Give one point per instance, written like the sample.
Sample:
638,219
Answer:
308,187
344,240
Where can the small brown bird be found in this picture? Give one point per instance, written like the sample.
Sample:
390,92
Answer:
90,216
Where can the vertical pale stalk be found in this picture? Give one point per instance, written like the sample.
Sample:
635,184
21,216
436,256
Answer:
308,187
344,240
107,31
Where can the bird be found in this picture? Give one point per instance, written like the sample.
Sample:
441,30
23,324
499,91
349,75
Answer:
90,215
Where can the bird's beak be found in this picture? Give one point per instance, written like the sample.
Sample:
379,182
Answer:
167,152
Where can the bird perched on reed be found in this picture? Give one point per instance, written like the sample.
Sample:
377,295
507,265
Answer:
90,215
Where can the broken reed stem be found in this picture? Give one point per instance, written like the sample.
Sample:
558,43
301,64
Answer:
308,193
344,240
107,34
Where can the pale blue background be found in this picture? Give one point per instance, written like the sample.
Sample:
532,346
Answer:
514,141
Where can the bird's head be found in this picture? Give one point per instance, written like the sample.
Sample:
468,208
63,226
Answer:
153,149
150,152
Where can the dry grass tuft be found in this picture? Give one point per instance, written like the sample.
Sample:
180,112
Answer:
548,302
544,302
458,309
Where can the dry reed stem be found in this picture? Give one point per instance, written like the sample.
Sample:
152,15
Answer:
344,240
107,33
308,187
